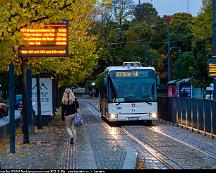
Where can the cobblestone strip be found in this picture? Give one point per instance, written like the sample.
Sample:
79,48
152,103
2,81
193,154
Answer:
85,154
69,156
108,152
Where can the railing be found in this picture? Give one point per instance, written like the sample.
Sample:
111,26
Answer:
196,114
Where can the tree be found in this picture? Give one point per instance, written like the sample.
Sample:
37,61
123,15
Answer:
34,14
202,44
122,10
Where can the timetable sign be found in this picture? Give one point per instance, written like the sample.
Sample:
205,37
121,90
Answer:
50,41
212,69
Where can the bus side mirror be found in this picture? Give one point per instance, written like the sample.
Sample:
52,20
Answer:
158,80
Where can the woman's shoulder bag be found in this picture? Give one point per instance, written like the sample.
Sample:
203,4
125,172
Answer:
78,120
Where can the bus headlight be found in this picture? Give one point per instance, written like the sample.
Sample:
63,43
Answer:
153,115
113,115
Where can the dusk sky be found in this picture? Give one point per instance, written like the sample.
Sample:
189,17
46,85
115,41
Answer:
169,7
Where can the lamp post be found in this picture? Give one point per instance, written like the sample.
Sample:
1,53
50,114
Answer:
93,89
168,46
214,43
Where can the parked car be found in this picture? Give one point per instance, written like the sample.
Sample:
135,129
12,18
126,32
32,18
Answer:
19,103
3,109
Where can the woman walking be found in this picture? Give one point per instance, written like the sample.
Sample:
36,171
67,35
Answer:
69,110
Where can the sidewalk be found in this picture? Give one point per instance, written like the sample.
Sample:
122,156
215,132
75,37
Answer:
50,149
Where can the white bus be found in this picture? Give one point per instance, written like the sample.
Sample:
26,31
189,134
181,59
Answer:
128,93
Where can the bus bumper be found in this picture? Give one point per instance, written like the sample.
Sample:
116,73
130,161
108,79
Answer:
134,117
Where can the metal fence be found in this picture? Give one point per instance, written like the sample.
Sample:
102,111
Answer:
199,114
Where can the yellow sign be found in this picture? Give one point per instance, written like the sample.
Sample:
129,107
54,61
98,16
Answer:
212,69
50,41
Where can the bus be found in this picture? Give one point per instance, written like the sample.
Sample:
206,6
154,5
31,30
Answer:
128,93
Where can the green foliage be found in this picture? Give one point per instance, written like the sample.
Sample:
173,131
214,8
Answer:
184,66
200,75
203,24
181,33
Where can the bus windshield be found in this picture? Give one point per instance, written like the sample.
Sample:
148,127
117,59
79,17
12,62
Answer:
132,89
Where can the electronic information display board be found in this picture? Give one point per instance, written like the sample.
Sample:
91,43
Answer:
50,41
212,69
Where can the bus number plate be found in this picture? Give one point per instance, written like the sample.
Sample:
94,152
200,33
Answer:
133,118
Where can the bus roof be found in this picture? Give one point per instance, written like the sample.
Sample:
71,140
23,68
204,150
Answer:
113,68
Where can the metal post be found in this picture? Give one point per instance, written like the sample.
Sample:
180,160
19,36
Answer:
177,114
181,118
39,117
192,112
186,117
198,125
211,121
213,27
204,118
169,74
214,42
12,107
29,99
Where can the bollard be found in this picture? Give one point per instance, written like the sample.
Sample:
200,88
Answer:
204,119
197,120
211,121
191,117
177,116
186,118
181,118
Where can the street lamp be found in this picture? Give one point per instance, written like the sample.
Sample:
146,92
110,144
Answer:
93,89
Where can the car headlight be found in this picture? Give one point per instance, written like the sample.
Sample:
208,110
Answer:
112,115
153,115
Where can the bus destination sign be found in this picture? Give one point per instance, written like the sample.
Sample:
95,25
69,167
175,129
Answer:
133,73
50,41
126,73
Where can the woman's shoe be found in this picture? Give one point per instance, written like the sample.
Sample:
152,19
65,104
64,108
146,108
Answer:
71,142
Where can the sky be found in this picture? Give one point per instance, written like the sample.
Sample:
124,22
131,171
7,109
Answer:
169,7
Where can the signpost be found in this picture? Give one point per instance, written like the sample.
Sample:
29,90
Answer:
49,41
